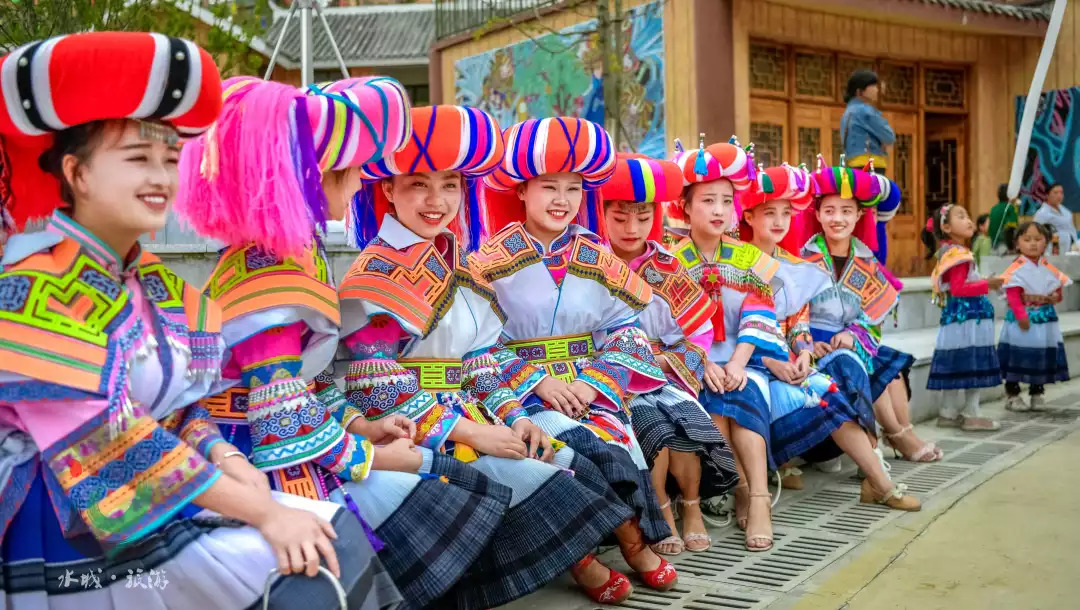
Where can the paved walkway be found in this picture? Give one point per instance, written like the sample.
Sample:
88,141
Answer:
1011,543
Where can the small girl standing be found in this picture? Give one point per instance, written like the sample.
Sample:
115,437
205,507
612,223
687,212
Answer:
1031,348
964,358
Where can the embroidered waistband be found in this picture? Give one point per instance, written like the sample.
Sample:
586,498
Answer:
434,374
549,349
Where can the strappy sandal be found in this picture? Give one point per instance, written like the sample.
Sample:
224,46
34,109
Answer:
929,452
895,498
672,540
753,537
791,478
691,537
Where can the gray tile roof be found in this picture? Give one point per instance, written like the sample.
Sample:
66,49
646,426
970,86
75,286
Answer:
1028,11
366,35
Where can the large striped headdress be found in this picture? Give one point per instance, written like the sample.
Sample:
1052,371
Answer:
51,85
641,179
256,176
792,184
723,160
443,138
869,190
547,146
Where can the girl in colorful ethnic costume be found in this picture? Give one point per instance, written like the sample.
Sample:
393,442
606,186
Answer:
738,278
282,322
964,360
105,462
574,347
676,434
420,325
1031,348
807,406
845,319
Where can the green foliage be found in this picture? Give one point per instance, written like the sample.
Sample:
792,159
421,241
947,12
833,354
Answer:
23,21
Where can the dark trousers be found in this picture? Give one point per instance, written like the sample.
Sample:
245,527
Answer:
1012,388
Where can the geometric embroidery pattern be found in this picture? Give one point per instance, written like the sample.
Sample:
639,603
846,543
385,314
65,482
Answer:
685,297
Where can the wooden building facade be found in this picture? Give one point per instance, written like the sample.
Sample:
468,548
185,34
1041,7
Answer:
773,72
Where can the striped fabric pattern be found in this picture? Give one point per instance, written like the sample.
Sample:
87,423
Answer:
561,144
358,120
444,138
68,80
640,179
722,160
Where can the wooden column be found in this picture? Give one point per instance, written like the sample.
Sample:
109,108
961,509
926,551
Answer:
713,64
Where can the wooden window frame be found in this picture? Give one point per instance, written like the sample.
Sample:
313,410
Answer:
925,107
769,93
791,68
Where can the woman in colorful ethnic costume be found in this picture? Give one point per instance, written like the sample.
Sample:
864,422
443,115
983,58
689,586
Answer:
807,406
575,352
685,450
738,278
282,322
420,325
105,462
847,316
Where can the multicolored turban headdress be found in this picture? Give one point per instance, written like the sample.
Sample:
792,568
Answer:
547,146
723,160
642,179
443,138
256,175
866,188
793,184
52,85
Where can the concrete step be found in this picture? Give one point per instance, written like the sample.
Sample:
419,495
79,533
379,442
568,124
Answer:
920,343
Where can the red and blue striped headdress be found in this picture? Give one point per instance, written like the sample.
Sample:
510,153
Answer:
442,138
722,160
547,146
642,179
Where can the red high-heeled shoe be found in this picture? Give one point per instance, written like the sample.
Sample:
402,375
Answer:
615,591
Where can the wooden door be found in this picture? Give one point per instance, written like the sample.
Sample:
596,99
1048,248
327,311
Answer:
815,129
905,246
769,131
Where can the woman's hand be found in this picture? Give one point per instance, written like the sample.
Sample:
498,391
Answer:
803,366
238,468
400,455
536,438
557,395
843,340
499,441
388,429
783,370
822,349
299,539
585,393
715,376
736,377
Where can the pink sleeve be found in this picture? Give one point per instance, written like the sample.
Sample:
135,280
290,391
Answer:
960,287
703,338
1014,295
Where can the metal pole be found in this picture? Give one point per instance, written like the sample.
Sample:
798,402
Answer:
307,70
333,43
1023,134
280,40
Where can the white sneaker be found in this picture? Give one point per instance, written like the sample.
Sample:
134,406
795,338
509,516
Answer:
1017,404
1038,403
832,466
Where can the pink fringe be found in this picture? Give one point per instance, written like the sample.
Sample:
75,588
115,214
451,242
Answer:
254,196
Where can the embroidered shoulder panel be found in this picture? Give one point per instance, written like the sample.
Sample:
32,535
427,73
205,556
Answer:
504,253
684,296
739,266
949,256
591,261
248,279
66,320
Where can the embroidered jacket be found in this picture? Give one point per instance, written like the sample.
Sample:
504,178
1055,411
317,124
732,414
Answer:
421,326
572,312
100,360
281,320
678,320
858,302
800,281
1032,288
741,281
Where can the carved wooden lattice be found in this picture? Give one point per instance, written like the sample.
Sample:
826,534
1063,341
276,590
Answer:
899,82
768,68
902,169
768,139
814,73
944,87
837,151
809,145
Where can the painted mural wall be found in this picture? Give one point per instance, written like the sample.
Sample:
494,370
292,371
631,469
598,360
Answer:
558,74
1054,153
